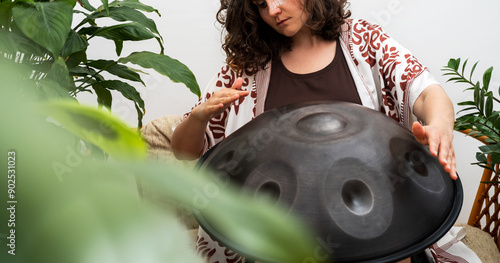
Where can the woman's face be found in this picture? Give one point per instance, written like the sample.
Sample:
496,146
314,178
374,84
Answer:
287,17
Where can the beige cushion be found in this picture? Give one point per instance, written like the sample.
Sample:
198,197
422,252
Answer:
481,243
157,134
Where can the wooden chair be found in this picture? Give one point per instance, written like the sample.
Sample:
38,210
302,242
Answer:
486,208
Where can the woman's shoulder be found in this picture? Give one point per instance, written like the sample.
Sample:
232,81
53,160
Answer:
361,24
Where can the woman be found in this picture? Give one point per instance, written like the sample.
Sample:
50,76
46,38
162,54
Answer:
287,51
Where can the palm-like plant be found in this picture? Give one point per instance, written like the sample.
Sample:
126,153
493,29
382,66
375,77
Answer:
479,117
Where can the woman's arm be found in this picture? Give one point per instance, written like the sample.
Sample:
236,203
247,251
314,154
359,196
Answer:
435,110
189,136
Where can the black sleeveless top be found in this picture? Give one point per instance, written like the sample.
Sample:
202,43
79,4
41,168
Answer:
334,82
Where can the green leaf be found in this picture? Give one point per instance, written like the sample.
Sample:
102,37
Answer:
136,5
466,109
13,42
125,89
86,4
50,89
46,23
488,108
496,124
116,69
480,157
89,31
477,92
118,47
282,238
487,78
466,103
75,59
122,32
457,79
104,97
463,67
123,14
140,115
74,43
454,64
481,101
106,6
472,70
5,13
59,73
100,128
166,66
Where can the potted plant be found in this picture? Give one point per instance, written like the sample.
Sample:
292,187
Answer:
478,117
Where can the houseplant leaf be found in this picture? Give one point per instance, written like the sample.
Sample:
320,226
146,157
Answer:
74,43
13,42
166,66
104,97
116,69
46,23
86,4
98,127
106,6
130,31
59,73
275,240
125,89
136,5
487,78
123,14
5,13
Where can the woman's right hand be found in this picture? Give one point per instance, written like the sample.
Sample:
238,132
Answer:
188,137
219,102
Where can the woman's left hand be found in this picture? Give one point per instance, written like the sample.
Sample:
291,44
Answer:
440,141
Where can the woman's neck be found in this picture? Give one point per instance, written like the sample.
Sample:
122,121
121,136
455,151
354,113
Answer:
308,54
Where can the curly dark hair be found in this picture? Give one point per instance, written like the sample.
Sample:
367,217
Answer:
250,43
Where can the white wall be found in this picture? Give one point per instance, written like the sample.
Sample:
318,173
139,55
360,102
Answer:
434,30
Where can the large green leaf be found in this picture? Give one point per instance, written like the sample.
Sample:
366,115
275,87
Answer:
59,73
116,69
75,59
123,14
106,6
487,78
128,92
5,13
74,43
125,89
165,65
46,23
136,5
88,211
104,97
86,4
257,227
130,31
13,42
100,128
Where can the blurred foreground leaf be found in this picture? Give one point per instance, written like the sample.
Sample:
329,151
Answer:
69,207
100,128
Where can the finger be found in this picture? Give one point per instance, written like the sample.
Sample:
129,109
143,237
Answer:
453,164
453,171
238,83
419,132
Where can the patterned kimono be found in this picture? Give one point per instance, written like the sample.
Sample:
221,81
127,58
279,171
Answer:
387,76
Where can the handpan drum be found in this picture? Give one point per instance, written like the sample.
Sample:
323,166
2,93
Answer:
359,179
